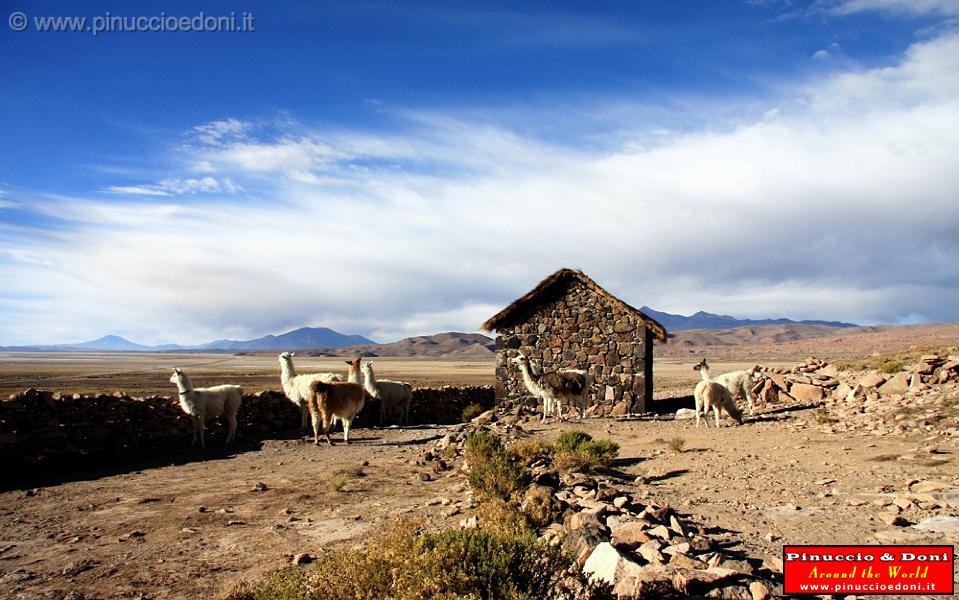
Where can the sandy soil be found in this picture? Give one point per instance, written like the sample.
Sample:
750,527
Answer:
191,524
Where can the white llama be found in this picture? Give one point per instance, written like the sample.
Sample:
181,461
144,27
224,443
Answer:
297,387
710,394
392,395
207,403
739,383
553,388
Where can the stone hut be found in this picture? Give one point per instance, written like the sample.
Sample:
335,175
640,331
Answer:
568,321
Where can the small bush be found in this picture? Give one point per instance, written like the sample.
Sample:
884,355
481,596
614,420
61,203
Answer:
578,451
482,445
570,441
890,366
676,444
498,476
472,411
336,482
493,472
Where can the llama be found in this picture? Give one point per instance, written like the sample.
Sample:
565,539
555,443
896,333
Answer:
570,384
297,387
712,394
391,394
207,403
739,383
343,399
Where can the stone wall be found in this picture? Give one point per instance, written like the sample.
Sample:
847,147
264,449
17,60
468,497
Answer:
40,428
578,328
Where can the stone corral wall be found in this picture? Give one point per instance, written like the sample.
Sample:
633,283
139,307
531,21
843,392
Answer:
38,428
577,328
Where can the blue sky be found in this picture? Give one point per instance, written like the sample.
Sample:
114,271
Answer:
405,168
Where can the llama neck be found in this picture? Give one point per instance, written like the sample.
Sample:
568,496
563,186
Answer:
183,384
531,381
369,381
286,371
704,373
354,375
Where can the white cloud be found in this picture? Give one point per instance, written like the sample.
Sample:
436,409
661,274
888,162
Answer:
917,7
837,202
175,186
215,132
821,54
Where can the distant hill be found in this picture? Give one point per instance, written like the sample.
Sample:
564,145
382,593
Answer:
451,343
303,338
298,339
705,320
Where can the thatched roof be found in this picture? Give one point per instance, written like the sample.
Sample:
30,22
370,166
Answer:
565,276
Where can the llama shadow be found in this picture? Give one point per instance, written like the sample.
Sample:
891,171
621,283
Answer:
664,476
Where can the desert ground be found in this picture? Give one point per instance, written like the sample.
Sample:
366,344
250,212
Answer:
194,523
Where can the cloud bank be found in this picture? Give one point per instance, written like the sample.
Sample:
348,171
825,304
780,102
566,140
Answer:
835,201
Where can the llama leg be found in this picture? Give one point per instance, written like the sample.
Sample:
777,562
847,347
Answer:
232,421
202,426
749,397
316,427
545,409
327,420
193,421
559,409
716,412
346,430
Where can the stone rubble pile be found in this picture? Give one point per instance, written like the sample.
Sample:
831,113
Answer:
919,398
618,537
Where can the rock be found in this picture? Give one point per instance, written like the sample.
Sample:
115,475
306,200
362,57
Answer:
646,582
805,392
874,379
620,501
941,524
603,563
683,560
685,413
651,552
892,519
259,486
759,590
922,487
897,384
630,536
581,543
660,531
303,558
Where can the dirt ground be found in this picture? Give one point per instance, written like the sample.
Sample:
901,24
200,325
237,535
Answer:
192,524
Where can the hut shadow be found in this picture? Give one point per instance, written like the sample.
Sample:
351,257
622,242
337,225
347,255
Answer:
89,468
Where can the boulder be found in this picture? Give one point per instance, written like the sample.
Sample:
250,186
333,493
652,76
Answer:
806,392
874,379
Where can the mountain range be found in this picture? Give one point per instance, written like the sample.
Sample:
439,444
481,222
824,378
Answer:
705,320
441,344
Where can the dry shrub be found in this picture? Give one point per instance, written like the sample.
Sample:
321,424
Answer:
406,565
493,472
537,505
676,444
823,417
531,450
578,451
471,412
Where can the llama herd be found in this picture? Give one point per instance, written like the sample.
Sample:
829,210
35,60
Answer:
328,398
325,397
570,385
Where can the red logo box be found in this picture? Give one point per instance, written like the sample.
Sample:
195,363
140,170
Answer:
863,570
